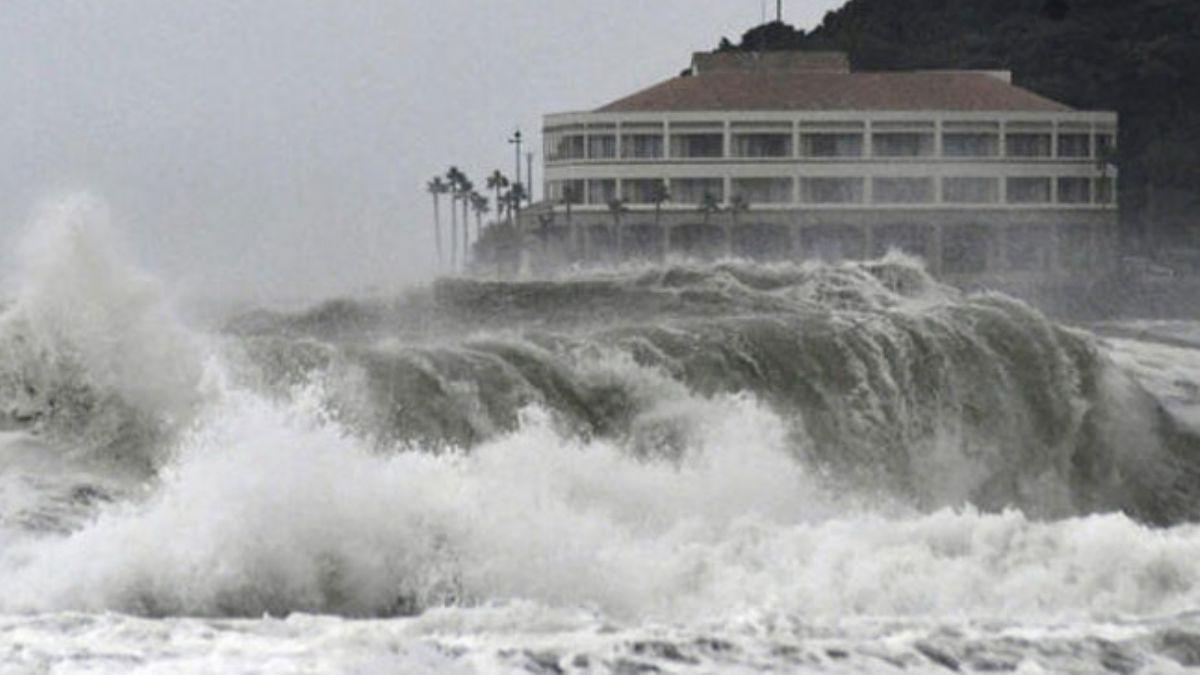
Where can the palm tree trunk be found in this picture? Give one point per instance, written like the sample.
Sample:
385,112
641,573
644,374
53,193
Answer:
572,232
437,229
617,239
662,244
454,234
729,235
466,232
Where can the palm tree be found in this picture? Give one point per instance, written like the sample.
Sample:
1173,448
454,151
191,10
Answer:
503,201
659,195
518,194
545,231
497,182
709,204
480,205
467,189
455,178
738,205
616,208
437,187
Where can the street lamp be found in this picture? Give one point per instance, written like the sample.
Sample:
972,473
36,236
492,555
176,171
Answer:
516,140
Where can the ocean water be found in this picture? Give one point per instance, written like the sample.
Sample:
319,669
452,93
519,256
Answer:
679,468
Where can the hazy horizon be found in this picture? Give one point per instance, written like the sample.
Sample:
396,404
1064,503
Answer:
275,149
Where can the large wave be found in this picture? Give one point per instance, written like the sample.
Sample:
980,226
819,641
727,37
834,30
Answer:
884,378
90,353
668,443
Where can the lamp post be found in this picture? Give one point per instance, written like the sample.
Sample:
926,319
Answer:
529,176
517,233
516,141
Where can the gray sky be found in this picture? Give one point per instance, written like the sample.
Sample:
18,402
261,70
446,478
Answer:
280,147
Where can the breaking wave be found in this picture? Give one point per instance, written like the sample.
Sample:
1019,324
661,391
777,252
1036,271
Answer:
666,443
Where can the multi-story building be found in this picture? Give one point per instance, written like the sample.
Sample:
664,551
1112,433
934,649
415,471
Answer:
789,155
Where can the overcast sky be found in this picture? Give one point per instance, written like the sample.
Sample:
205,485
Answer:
280,147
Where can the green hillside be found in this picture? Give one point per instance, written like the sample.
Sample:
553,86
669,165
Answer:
1138,57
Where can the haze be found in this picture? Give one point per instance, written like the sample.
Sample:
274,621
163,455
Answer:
275,149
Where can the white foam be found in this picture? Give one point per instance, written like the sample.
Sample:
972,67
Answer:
87,329
272,507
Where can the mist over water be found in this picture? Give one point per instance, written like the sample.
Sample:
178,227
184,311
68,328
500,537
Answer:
791,466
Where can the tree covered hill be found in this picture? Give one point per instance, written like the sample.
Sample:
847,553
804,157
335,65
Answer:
1138,57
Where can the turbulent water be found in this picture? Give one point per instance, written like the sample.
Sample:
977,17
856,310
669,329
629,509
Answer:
730,467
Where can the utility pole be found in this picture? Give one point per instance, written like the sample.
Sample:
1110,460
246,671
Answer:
529,176
779,11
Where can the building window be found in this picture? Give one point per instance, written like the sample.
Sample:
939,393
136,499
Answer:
1028,145
1074,145
762,145
1074,190
568,147
970,144
1105,190
902,190
692,190
831,145
1105,144
642,146
1029,190
902,144
602,147
690,146
831,190
764,190
601,190
970,190
559,143
558,191
639,190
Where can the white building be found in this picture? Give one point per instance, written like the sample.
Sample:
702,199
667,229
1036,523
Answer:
964,168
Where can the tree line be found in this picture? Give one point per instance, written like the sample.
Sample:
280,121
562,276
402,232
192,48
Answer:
508,198
502,238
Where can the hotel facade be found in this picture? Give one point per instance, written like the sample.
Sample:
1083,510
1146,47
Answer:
792,155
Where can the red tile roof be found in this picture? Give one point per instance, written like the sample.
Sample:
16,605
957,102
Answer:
837,62
799,90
